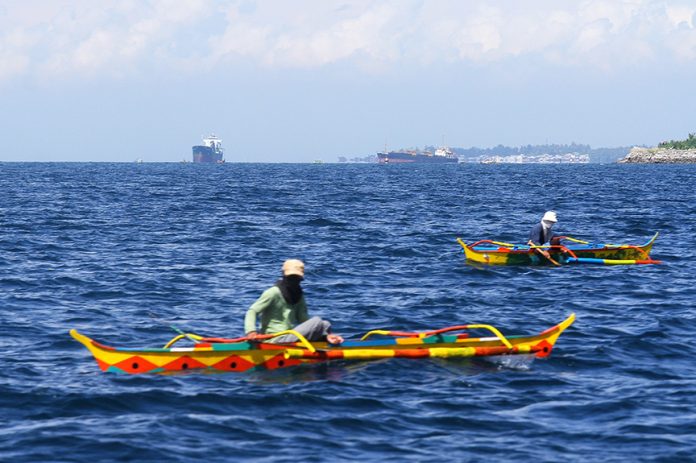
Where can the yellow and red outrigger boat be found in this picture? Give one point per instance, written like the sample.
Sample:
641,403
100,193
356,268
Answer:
243,354
578,251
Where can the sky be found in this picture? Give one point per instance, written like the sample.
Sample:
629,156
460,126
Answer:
301,80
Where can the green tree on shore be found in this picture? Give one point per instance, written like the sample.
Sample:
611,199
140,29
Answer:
689,143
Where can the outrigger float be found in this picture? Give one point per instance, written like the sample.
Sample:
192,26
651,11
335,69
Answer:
243,354
578,251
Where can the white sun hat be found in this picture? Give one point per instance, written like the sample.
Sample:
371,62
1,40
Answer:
550,216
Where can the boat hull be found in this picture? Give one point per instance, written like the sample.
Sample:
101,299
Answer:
250,356
206,155
397,157
494,254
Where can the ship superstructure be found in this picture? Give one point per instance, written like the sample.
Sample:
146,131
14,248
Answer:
210,151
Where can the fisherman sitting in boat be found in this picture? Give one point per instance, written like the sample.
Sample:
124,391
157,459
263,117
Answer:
541,234
282,307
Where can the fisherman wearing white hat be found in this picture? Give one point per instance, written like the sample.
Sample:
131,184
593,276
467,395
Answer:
541,234
282,307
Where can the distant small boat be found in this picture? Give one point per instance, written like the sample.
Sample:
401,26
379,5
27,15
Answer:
497,253
139,161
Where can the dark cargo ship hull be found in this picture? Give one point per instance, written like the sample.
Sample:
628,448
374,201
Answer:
398,158
206,154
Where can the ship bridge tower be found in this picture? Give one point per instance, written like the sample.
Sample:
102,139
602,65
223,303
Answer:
213,142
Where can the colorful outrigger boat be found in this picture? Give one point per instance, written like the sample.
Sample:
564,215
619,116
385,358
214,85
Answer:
243,354
577,251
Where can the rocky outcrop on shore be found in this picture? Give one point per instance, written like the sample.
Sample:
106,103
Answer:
659,156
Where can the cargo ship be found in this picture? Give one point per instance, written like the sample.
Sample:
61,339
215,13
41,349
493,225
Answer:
210,151
441,155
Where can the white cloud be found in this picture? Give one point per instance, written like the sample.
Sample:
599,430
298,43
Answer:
52,37
13,60
604,34
680,14
87,37
309,36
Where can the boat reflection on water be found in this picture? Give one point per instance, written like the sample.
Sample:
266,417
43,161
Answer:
323,371
398,368
476,366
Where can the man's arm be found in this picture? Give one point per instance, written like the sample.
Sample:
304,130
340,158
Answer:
535,240
261,304
302,313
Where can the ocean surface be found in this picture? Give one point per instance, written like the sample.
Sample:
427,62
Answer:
120,251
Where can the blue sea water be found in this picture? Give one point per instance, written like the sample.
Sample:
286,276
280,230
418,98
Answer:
100,247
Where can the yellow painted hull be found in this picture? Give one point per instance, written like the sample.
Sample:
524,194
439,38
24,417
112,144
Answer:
495,254
246,356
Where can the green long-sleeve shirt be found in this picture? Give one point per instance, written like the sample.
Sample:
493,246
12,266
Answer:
276,313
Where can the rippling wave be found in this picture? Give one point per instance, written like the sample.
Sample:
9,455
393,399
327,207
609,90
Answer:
120,251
